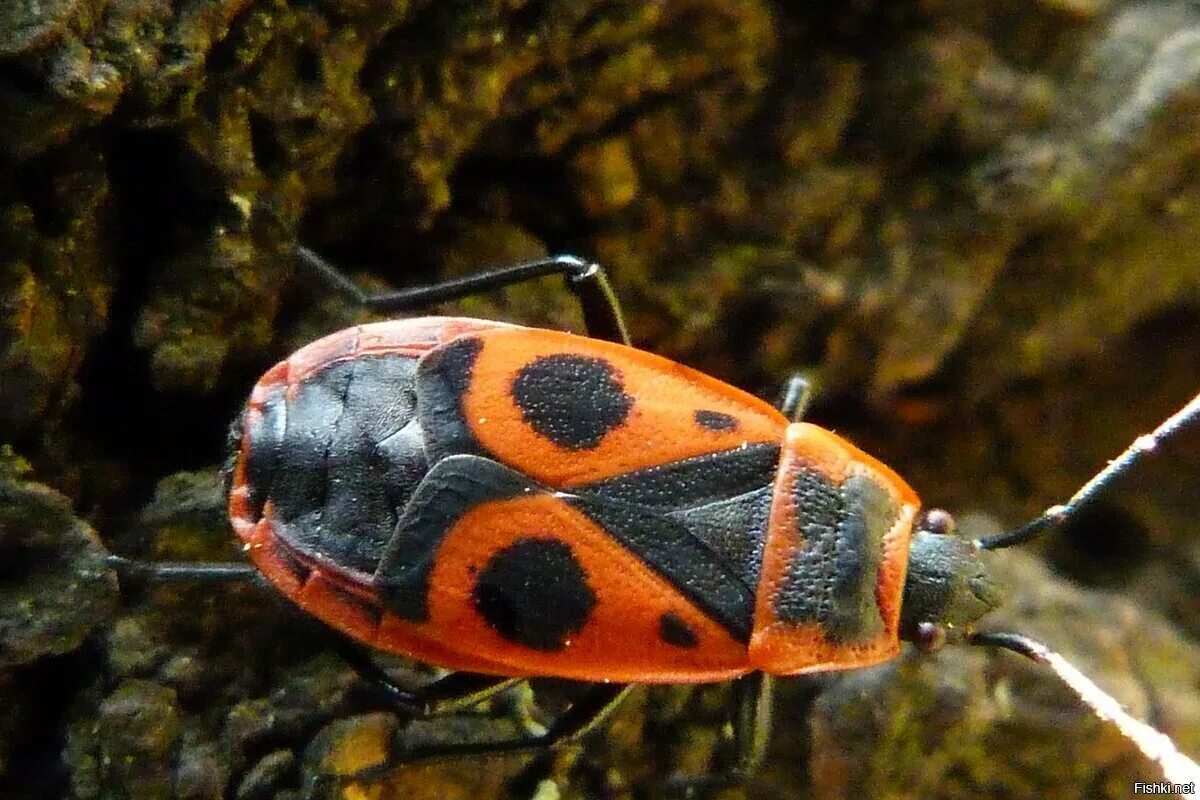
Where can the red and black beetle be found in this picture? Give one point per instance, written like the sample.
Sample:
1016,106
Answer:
510,502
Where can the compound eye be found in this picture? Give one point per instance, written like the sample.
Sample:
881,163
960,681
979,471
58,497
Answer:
930,637
938,521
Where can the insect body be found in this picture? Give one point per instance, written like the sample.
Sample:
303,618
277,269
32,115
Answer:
514,501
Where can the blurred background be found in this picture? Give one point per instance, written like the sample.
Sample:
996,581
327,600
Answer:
973,225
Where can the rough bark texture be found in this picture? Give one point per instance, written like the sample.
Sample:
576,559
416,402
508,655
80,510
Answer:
973,224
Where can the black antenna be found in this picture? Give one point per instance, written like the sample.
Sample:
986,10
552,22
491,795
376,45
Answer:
1055,515
1155,745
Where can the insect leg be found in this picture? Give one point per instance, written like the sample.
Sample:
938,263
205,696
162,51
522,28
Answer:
577,721
586,280
452,692
751,720
753,696
167,571
795,397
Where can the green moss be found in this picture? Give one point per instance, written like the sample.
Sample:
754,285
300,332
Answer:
12,466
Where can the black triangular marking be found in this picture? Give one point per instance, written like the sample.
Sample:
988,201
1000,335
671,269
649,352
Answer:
670,549
693,481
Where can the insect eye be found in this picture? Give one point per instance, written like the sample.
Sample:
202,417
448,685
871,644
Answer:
937,520
930,637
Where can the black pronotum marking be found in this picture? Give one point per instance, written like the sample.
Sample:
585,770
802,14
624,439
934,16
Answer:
534,593
674,631
572,400
715,420
832,577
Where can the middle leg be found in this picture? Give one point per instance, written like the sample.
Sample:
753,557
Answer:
751,702
795,397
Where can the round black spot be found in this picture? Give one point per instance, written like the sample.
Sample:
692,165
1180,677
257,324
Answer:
534,593
572,400
675,631
714,420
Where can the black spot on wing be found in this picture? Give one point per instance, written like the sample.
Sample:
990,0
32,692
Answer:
674,631
715,420
572,400
534,593
832,577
